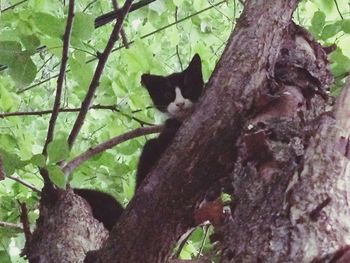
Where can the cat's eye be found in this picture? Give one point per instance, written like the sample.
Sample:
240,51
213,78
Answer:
168,95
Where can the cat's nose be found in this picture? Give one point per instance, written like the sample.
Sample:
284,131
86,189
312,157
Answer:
180,104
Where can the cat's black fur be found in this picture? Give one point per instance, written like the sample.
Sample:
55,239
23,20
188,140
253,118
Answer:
104,207
162,92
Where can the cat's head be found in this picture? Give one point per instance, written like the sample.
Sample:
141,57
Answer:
175,94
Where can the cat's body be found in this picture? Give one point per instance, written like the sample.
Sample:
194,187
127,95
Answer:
153,149
175,95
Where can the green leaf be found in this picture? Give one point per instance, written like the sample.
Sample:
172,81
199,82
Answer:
317,22
346,26
31,43
21,67
81,72
9,51
23,71
57,150
38,160
83,26
57,176
49,24
327,4
11,162
6,101
341,63
5,257
157,6
331,30
178,2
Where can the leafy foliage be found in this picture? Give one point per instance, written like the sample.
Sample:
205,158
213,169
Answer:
162,37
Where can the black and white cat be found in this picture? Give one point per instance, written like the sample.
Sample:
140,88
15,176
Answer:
174,95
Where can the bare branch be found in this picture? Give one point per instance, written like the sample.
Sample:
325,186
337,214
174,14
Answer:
110,16
10,225
95,107
25,221
122,32
68,168
89,5
2,170
13,6
97,75
19,180
336,5
60,80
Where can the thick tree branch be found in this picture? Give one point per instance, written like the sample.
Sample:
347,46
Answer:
97,75
62,73
203,150
73,164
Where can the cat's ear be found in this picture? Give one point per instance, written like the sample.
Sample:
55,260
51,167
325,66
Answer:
150,81
195,64
193,73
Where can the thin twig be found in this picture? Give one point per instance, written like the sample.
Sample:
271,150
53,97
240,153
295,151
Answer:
183,241
44,64
129,43
122,32
110,16
206,230
85,51
10,225
178,57
13,6
25,221
2,170
95,107
336,5
97,75
19,180
60,80
88,5
73,164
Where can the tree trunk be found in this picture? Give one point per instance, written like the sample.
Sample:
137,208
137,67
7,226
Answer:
293,207
260,131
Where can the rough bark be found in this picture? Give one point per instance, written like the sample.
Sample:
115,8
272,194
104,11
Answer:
65,230
292,206
203,151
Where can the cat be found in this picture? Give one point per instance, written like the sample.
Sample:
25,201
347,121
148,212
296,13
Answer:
174,95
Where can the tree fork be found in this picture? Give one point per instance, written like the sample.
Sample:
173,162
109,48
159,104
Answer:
203,151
